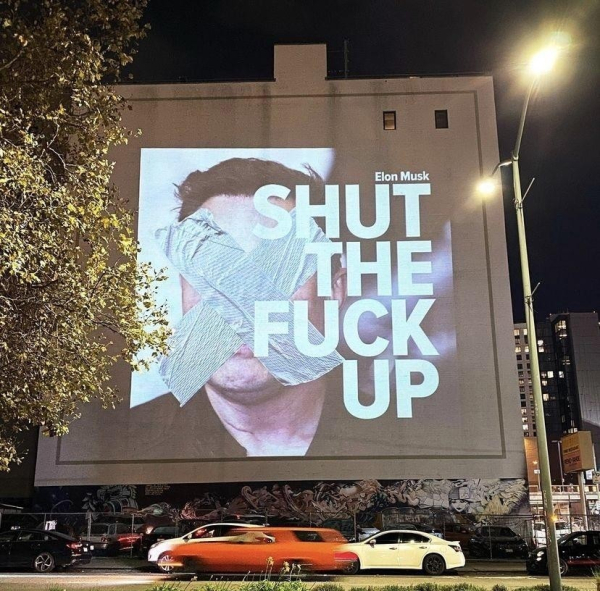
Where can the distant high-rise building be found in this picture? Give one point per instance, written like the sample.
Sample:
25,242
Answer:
569,353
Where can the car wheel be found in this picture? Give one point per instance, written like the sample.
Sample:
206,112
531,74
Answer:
563,566
191,565
44,562
434,565
351,567
165,563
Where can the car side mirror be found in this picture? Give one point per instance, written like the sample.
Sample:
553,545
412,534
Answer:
372,543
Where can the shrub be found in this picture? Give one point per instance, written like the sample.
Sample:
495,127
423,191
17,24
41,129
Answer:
545,588
269,585
327,587
167,587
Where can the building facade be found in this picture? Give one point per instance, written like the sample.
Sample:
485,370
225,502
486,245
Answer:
569,353
419,410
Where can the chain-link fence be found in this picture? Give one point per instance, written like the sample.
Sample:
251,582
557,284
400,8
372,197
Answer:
481,536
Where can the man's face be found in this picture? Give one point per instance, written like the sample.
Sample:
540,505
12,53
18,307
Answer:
243,378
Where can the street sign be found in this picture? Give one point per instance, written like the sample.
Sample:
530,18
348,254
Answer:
577,452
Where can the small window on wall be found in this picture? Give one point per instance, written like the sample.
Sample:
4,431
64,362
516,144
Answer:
441,119
389,120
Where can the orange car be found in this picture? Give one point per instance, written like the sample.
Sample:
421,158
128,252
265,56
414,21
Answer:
264,549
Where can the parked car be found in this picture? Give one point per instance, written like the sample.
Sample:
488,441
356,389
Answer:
428,529
458,532
402,549
539,531
576,550
366,532
159,534
160,551
112,538
346,528
41,550
494,541
264,549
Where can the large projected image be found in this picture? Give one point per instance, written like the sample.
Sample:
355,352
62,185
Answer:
311,308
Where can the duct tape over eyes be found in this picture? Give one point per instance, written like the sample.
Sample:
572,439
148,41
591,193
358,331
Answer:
230,281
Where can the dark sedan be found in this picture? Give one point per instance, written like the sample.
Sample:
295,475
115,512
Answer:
41,550
496,541
576,550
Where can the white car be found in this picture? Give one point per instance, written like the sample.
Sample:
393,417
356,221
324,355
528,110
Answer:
160,553
402,549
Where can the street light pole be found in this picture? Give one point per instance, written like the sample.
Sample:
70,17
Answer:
544,460
562,474
541,62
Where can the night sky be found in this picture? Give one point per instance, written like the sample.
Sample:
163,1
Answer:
233,40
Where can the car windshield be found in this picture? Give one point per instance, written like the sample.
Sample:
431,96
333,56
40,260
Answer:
496,532
199,532
99,528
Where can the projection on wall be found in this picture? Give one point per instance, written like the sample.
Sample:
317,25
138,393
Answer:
312,310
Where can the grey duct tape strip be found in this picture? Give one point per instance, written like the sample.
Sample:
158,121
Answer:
231,280
285,261
194,358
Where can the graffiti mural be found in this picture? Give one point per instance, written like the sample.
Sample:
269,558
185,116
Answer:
365,501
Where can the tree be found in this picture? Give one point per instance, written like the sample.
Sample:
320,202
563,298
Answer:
73,300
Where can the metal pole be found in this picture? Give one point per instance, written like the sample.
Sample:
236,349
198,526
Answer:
582,499
562,474
346,58
546,482
517,148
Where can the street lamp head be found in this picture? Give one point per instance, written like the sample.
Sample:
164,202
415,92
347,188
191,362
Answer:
543,61
486,187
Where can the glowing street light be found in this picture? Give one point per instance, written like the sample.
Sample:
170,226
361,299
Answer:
486,187
541,63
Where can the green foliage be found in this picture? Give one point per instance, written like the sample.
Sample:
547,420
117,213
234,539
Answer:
544,588
327,587
73,300
499,588
168,587
269,585
266,585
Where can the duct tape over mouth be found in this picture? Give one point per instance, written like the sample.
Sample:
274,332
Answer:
230,281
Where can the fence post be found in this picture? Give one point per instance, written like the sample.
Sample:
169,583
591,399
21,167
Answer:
132,532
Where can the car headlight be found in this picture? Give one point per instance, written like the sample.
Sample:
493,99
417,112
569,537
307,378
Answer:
539,555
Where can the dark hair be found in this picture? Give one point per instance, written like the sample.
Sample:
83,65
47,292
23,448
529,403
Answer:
243,176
